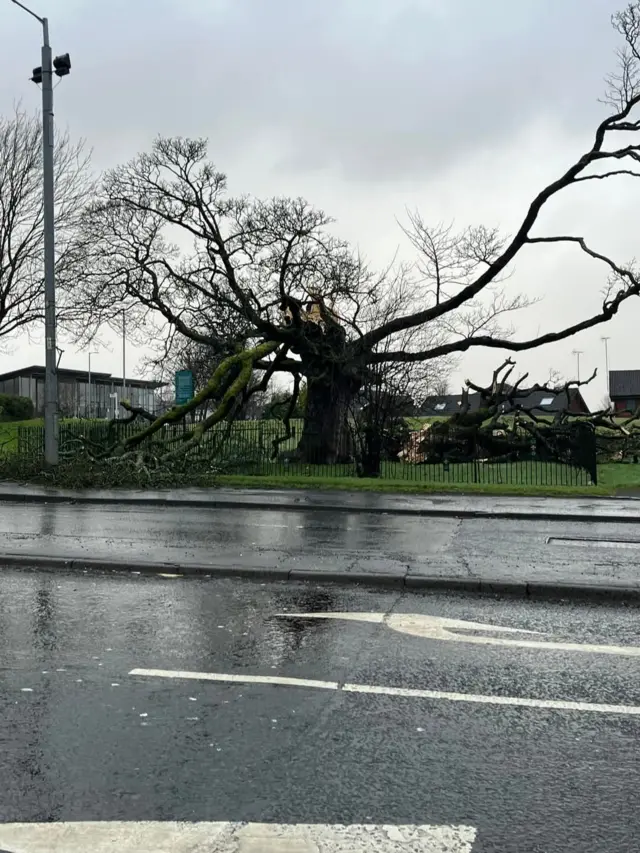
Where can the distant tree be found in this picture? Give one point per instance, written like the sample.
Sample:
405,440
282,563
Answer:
277,405
382,409
21,219
441,387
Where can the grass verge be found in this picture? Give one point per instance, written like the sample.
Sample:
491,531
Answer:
360,484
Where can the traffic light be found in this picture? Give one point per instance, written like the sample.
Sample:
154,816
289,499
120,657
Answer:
37,75
62,65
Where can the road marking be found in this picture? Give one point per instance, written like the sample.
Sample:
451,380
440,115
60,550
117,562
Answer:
403,692
578,541
441,628
237,679
179,837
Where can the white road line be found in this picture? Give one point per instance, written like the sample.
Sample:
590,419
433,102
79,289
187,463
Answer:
182,837
592,543
518,701
402,692
237,679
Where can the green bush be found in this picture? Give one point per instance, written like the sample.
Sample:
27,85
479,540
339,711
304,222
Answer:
14,408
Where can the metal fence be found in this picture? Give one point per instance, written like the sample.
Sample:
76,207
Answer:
565,457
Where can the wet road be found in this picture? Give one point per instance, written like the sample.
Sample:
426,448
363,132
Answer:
84,739
296,541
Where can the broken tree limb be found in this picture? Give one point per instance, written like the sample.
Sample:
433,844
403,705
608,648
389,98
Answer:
246,359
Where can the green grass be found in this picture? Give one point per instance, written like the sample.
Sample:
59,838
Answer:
9,431
9,434
619,475
406,486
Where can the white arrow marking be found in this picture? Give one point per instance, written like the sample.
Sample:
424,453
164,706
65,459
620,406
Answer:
441,628
174,837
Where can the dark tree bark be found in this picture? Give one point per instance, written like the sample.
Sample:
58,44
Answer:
326,438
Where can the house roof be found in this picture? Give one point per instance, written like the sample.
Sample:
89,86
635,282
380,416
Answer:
37,371
446,405
540,402
624,383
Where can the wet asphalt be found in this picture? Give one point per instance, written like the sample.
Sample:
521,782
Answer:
282,541
82,739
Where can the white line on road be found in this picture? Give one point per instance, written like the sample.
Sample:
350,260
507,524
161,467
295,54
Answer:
237,679
182,837
584,542
402,692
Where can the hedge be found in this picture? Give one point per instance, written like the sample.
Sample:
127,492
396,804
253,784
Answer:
14,408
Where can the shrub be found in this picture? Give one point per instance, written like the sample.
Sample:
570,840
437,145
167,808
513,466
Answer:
14,408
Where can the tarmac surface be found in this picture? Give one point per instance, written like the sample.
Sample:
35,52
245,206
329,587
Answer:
526,557
623,510
184,714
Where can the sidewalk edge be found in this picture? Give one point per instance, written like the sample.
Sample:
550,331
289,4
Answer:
546,590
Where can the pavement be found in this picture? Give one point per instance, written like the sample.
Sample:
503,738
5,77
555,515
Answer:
149,714
621,510
536,558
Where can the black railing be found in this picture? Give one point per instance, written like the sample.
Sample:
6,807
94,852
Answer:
564,456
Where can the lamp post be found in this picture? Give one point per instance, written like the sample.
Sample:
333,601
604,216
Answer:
605,341
124,355
90,395
44,75
577,353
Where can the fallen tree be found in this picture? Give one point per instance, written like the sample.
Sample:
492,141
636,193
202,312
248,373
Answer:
270,271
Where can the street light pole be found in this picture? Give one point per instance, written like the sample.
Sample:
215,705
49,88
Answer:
124,355
89,388
44,75
577,353
51,373
90,395
605,341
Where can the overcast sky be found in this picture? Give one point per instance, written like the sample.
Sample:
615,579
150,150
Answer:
461,108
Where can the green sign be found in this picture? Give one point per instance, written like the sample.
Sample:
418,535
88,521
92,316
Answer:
184,386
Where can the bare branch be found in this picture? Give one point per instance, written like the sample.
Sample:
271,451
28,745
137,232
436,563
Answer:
22,219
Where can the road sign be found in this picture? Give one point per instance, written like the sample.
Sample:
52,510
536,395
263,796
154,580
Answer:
182,837
184,386
441,628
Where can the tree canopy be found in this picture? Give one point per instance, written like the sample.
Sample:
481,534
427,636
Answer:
188,261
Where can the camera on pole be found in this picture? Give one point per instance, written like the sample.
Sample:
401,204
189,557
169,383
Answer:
61,67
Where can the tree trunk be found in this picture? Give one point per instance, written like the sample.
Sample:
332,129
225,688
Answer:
326,439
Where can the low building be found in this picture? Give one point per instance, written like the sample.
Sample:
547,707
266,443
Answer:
624,390
78,399
538,402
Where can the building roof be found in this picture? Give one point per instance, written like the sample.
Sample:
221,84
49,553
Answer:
542,401
539,402
37,370
624,383
446,405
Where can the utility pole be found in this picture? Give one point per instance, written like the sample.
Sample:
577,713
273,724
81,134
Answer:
44,75
124,355
90,395
577,353
605,341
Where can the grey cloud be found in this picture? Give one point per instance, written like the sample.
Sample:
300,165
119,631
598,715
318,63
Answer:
375,89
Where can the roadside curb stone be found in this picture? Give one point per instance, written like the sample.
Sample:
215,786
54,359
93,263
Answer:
548,590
